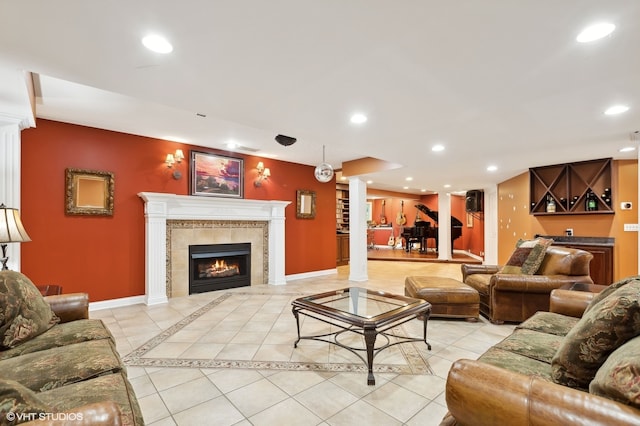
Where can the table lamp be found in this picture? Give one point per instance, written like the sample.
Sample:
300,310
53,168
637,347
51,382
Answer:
11,231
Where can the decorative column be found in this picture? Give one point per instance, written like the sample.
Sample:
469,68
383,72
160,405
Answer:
276,246
357,230
491,225
10,178
155,286
444,226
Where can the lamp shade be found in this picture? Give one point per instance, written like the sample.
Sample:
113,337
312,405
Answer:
11,229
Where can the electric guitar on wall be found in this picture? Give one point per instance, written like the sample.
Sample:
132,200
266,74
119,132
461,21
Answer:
383,218
401,219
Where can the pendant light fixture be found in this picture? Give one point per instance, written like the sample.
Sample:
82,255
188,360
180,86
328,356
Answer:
324,171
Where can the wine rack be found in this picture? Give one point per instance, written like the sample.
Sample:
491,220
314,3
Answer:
572,188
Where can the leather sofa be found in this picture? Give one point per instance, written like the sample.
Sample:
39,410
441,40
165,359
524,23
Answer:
520,381
58,366
515,297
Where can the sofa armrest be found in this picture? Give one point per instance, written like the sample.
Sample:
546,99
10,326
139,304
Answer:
481,394
69,307
97,414
530,283
470,268
571,303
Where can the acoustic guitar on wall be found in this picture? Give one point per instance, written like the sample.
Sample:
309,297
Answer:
401,219
392,239
383,218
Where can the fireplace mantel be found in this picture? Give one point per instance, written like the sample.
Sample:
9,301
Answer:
160,207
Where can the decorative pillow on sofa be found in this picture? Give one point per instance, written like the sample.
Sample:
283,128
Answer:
527,257
617,379
24,313
610,289
16,399
608,325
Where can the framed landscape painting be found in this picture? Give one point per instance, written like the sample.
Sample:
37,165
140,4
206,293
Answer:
216,175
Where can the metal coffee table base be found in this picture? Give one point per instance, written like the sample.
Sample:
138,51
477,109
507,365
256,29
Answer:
370,334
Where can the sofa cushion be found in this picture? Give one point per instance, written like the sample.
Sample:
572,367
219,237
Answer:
617,379
531,344
480,282
55,367
609,324
517,363
550,323
110,387
16,400
527,257
24,313
61,335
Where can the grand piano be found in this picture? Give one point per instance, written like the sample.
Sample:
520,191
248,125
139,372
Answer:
422,230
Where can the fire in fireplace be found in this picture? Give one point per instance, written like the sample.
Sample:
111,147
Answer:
219,266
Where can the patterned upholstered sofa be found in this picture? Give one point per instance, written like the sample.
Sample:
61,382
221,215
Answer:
557,368
56,364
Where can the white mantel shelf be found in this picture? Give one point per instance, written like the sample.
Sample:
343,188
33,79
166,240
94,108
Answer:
160,207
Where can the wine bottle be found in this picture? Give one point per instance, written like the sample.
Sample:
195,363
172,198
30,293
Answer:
551,204
591,202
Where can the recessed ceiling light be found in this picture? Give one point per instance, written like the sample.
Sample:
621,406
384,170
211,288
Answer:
627,149
437,148
369,182
157,44
616,109
232,144
358,118
595,32
447,186
492,168
423,190
405,187
409,179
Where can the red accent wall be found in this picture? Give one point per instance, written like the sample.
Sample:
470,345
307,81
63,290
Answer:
104,256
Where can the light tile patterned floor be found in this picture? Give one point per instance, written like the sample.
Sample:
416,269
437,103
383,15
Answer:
241,396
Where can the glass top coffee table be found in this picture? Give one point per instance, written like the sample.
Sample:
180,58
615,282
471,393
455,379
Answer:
368,313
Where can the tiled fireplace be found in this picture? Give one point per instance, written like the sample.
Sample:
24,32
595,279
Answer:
174,222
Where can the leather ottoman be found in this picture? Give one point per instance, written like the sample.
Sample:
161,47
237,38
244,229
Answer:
449,298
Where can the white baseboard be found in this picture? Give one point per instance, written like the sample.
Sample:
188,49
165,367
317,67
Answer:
116,303
311,274
466,253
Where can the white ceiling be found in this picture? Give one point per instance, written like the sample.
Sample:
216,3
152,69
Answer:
496,81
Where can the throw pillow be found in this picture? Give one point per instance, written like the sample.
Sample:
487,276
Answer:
617,379
610,289
609,324
527,257
24,313
19,404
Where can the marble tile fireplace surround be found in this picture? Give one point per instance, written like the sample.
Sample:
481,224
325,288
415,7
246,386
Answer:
173,222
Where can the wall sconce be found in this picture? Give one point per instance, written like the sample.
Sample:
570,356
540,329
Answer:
173,159
11,231
263,174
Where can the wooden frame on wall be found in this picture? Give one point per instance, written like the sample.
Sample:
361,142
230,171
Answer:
216,175
89,192
305,204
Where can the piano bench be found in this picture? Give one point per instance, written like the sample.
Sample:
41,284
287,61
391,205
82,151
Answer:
449,298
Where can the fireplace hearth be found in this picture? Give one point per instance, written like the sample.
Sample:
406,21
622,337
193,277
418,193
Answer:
219,266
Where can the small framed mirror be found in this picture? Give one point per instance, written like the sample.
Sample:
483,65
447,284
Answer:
89,192
306,204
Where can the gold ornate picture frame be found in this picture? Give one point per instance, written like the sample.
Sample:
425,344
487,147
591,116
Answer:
305,204
89,192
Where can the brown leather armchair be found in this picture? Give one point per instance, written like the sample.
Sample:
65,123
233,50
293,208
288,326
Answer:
514,297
